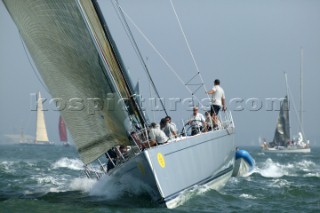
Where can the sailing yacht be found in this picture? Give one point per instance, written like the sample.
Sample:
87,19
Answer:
282,141
72,47
22,137
63,132
41,130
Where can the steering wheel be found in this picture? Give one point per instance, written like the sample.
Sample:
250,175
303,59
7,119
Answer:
191,124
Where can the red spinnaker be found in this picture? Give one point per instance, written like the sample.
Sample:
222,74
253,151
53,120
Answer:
62,130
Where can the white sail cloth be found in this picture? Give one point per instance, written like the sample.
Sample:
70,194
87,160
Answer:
41,130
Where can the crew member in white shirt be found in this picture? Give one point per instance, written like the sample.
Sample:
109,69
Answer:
156,135
218,98
170,128
197,121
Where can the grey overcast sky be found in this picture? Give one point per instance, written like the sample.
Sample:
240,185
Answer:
246,44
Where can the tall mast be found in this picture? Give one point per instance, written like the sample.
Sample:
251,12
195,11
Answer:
139,54
287,95
134,107
301,88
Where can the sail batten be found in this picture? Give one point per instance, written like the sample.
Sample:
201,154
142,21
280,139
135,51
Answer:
63,50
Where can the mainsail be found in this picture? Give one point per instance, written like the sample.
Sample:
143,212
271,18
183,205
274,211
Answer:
62,130
282,133
41,131
79,65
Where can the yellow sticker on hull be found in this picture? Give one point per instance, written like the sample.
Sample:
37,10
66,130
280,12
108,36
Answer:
161,160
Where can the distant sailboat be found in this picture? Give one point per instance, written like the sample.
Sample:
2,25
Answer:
22,137
281,142
41,130
63,132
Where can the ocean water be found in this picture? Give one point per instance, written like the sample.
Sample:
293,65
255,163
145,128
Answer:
35,178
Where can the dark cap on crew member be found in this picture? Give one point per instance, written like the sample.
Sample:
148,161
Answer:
153,125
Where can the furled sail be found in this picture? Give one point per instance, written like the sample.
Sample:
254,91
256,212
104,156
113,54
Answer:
76,61
41,131
62,130
282,133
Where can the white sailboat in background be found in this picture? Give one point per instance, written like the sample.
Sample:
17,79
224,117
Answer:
41,136
282,141
75,53
22,137
41,130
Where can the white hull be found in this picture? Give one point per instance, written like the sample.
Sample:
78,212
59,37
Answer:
287,150
173,169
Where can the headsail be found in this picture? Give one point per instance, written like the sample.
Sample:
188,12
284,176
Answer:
78,65
62,130
41,131
282,133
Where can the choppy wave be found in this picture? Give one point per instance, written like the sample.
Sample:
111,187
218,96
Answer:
247,196
306,165
53,177
279,183
7,167
73,164
271,169
316,174
82,184
112,188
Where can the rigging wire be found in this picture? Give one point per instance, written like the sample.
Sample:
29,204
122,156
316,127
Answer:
138,52
189,48
296,112
159,54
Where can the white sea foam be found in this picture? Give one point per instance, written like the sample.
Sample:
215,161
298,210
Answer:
55,190
234,181
73,164
306,165
317,174
247,196
82,184
271,169
7,166
112,188
46,180
50,183
279,183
